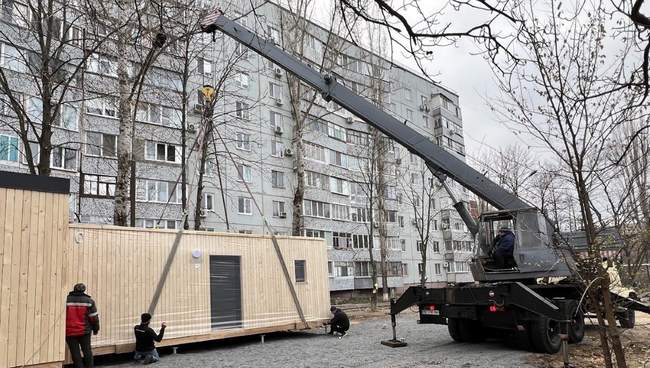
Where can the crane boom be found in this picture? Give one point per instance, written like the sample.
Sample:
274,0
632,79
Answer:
434,156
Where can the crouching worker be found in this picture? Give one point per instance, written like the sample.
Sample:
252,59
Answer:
339,323
145,349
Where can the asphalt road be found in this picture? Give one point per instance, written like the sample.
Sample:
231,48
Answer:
428,346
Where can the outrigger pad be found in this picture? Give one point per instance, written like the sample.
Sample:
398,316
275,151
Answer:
394,343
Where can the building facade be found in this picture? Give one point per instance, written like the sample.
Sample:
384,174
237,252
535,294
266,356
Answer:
253,150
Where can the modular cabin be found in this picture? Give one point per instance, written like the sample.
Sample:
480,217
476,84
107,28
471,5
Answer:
219,285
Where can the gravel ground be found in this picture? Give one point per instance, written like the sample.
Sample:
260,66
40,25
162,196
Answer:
428,346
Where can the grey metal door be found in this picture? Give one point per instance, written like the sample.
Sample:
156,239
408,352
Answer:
225,292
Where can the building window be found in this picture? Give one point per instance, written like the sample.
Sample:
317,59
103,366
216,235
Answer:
359,214
67,118
64,158
102,64
11,58
208,202
341,240
299,266
242,110
343,269
339,186
275,119
311,233
330,269
171,117
101,144
278,209
391,216
98,185
149,113
102,107
362,268
338,159
245,173
360,241
357,193
340,212
275,91
277,179
420,269
244,141
243,80
403,244
316,208
274,34
277,149
157,224
400,219
437,268
204,67
314,152
155,151
357,137
158,191
244,206
317,180
336,132
436,246
8,148
408,93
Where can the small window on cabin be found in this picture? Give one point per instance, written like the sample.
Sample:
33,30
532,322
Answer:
299,266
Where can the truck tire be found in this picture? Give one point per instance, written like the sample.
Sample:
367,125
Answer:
453,325
465,330
545,335
627,319
577,326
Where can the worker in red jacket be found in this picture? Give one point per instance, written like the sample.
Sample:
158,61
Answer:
81,319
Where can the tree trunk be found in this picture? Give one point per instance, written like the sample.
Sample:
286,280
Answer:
125,144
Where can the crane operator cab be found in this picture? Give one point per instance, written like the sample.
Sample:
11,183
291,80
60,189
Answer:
515,245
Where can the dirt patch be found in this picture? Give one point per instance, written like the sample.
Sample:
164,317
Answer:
587,354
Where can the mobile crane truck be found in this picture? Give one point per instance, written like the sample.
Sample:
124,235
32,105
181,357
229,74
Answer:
513,300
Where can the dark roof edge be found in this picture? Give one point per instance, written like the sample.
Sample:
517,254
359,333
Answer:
36,183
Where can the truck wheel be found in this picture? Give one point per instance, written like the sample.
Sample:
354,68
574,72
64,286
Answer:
627,319
545,335
453,325
577,326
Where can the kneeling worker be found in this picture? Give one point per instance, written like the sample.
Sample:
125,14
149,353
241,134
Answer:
145,349
340,322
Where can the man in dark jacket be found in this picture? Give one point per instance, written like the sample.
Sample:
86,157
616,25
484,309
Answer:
145,348
80,319
339,323
504,247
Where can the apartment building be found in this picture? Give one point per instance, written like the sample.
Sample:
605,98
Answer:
253,151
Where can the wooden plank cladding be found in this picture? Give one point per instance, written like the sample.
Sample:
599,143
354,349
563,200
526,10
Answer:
121,267
219,285
33,258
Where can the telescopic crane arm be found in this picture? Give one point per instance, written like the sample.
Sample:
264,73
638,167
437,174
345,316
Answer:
436,158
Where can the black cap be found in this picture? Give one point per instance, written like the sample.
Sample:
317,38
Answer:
145,317
332,309
79,288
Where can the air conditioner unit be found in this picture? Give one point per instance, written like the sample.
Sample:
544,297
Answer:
278,101
191,128
277,71
198,108
375,224
288,152
203,213
445,265
278,130
349,120
283,215
398,161
423,107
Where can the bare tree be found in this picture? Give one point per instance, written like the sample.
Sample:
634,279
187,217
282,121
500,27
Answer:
563,96
44,55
